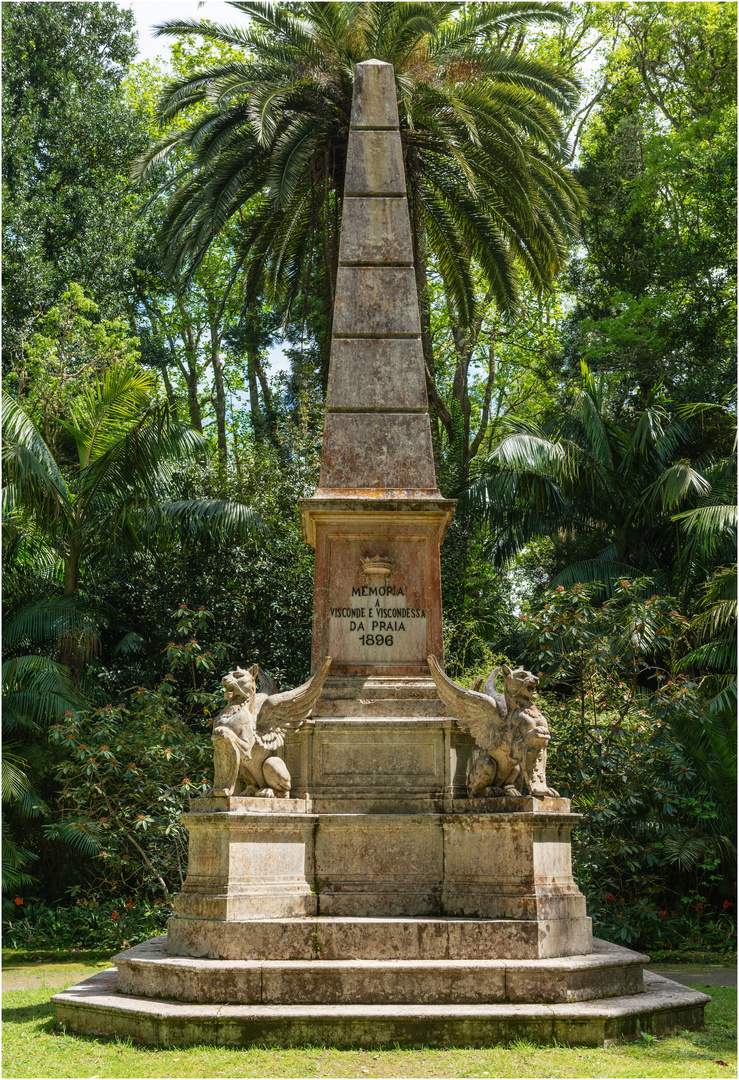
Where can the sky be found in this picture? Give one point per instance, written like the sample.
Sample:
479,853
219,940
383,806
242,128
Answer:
149,13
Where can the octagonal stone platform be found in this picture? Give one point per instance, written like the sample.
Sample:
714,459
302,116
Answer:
151,970
95,1007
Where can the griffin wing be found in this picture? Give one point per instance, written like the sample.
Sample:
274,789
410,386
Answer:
491,689
266,682
280,713
475,713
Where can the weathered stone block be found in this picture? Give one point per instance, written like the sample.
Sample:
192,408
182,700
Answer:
376,300
353,766
242,866
515,866
377,450
378,864
376,982
374,164
377,373
376,230
149,970
583,979
374,103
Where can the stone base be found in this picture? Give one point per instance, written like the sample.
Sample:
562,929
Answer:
149,970
336,938
478,863
94,1007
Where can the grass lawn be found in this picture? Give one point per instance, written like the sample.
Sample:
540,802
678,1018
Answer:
32,1048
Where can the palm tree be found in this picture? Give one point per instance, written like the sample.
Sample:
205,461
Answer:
483,145
36,691
128,452
596,475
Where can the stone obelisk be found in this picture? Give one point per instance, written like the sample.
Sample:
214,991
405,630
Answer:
377,518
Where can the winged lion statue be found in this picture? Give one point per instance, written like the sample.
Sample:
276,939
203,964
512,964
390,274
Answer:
511,733
253,726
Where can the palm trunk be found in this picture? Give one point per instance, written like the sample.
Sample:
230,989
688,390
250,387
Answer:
67,644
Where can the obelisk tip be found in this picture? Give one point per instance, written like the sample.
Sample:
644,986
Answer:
375,103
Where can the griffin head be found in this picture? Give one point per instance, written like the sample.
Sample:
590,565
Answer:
520,684
240,685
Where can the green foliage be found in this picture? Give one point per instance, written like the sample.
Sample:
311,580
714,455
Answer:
124,778
652,774
655,290
68,138
599,471
128,451
94,922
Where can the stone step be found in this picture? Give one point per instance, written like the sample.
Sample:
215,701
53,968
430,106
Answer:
395,687
357,938
95,1007
383,708
148,970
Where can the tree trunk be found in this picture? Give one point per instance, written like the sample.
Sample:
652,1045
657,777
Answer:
220,397
193,401
257,421
270,418
67,643
169,391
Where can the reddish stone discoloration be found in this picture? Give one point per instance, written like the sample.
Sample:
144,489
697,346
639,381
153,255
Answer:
410,540
378,450
384,373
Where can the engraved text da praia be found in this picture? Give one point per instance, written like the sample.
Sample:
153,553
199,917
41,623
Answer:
383,616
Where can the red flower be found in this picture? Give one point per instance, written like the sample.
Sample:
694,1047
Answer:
662,914
186,780
130,903
610,896
727,905
560,588
619,916
622,901
19,900
115,915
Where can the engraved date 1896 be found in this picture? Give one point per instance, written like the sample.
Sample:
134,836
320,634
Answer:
376,639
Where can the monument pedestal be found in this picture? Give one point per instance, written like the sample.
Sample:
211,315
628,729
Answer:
434,920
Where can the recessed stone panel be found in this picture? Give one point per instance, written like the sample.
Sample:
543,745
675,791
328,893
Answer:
377,450
374,164
377,373
376,300
375,230
349,758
